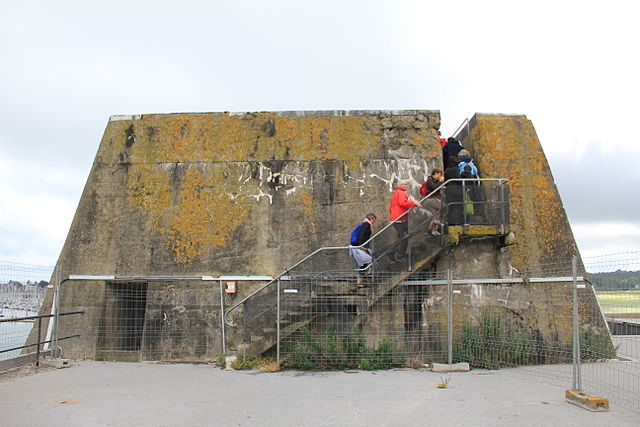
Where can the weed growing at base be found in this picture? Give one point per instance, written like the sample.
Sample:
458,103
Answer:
329,351
493,345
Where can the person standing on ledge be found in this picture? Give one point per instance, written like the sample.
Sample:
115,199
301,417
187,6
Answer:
399,213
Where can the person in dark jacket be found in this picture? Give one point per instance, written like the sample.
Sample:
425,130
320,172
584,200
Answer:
433,202
453,194
360,250
451,149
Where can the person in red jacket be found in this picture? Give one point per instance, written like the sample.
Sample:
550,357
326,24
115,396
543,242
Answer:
399,212
443,141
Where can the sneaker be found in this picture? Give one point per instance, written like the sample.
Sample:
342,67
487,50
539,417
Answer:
435,233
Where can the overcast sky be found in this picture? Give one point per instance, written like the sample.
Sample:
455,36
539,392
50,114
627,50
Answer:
66,66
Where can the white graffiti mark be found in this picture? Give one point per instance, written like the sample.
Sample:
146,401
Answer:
262,194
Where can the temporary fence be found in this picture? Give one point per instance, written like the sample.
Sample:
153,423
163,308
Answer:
566,323
22,290
616,280
561,324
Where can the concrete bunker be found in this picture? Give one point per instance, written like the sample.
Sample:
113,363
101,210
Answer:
254,193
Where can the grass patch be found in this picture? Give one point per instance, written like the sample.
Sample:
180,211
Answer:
262,363
328,351
268,364
493,345
613,302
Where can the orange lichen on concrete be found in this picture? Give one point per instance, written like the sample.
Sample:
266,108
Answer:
204,218
149,190
508,147
178,165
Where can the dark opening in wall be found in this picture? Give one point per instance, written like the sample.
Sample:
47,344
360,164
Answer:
122,324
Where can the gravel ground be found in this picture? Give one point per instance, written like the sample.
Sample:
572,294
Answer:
122,394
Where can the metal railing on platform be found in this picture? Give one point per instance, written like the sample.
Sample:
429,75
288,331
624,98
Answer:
13,339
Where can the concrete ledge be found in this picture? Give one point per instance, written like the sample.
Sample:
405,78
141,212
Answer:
455,367
582,399
24,359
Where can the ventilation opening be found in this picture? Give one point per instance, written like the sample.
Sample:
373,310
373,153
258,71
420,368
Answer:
122,324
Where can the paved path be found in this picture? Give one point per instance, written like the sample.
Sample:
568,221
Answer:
122,394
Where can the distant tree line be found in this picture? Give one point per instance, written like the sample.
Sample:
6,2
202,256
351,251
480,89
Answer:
616,281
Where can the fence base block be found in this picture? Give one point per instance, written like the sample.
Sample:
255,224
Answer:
56,363
455,367
228,362
584,400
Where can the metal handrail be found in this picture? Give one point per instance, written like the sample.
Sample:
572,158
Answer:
327,248
464,123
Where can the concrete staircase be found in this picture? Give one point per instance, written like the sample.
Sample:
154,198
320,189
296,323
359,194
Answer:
301,308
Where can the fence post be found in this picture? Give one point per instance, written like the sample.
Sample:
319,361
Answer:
56,317
449,317
577,378
224,344
38,341
278,321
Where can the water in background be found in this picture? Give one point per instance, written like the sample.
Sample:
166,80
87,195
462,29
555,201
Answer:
14,334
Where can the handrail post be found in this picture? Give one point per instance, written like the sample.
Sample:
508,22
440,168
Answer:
245,314
502,204
409,263
38,342
464,203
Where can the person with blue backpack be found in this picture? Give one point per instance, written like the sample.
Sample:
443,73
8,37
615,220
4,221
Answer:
468,170
359,247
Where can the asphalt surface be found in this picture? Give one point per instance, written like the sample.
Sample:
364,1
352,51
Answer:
123,394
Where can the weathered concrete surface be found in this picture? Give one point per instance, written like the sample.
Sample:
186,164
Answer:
220,194
541,311
243,193
506,146
123,394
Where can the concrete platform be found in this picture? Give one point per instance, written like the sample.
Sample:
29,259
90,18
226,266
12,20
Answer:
124,394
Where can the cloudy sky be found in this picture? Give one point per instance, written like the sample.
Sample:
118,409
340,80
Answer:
66,66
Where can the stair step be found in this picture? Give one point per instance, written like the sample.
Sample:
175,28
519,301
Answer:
294,313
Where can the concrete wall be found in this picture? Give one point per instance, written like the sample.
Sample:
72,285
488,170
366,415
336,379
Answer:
247,193
506,146
229,194
251,194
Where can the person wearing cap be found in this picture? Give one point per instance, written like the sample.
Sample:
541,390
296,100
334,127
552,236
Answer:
399,208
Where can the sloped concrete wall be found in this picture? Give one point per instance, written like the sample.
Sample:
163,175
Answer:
228,194
251,193
507,146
